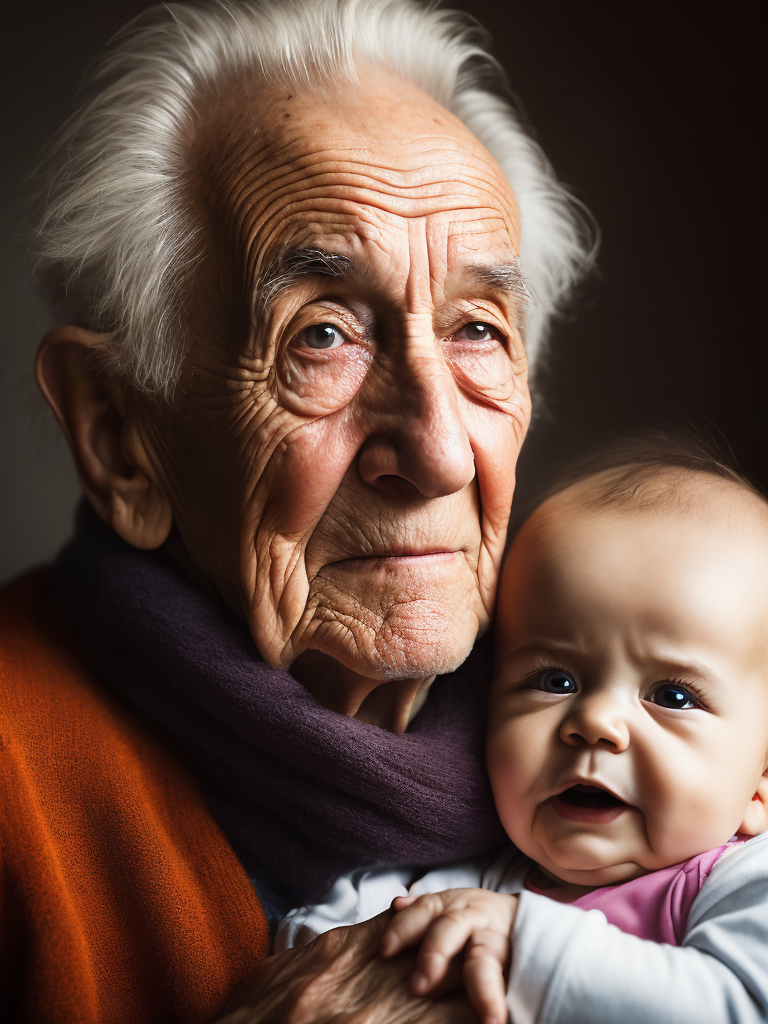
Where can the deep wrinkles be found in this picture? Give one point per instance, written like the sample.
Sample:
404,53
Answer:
244,211
234,199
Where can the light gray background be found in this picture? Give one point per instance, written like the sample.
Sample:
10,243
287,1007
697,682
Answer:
648,113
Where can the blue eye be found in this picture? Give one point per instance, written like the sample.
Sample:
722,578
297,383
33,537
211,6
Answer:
553,680
323,336
672,695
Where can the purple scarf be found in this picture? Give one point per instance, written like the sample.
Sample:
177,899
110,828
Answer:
303,794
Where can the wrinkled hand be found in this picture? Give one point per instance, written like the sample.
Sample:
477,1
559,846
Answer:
474,921
339,978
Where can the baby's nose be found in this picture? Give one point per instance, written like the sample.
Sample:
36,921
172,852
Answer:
597,721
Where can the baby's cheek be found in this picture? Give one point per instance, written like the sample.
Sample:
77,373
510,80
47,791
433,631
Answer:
506,769
696,815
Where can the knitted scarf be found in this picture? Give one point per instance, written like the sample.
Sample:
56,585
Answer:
304,794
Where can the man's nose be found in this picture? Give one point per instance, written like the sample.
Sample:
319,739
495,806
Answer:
597,720
419,437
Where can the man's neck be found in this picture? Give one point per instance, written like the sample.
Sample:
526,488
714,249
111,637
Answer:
390,705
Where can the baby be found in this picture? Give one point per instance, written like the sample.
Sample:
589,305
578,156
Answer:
627,750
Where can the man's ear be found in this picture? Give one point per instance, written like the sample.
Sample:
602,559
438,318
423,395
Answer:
91,408
755,819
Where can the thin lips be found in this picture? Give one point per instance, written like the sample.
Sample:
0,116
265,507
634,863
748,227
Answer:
417,554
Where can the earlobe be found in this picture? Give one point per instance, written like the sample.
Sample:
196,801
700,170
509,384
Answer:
755,819
91,410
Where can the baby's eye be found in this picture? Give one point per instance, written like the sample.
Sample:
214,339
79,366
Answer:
672,695
553,680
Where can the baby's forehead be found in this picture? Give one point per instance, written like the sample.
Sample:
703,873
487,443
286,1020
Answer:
677,497
658,565
677,519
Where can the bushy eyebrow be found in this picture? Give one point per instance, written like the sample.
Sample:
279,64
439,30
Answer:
296,263
317,261
293,264
500,277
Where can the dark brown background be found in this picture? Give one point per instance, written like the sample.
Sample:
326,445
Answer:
651,115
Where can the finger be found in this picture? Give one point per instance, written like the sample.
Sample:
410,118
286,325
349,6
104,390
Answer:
408,926
485,985
452,982
444,939
390,943
401,902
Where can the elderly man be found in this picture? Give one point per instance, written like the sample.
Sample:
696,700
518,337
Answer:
303,252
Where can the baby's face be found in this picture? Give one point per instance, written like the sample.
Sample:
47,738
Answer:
628,725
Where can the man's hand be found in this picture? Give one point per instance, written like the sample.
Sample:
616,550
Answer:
475,921
339,978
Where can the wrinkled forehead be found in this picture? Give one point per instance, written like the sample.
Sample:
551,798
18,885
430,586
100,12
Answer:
340,168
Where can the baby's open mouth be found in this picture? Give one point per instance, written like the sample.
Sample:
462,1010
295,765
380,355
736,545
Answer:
590,796
588,803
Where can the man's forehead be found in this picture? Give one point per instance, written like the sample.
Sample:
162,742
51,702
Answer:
413,177
299,170
373,113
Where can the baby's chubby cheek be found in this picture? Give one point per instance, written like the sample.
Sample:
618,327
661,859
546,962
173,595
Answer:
510,773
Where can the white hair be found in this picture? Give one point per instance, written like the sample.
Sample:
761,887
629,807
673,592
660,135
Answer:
116,241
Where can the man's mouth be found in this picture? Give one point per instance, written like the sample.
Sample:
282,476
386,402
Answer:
588,803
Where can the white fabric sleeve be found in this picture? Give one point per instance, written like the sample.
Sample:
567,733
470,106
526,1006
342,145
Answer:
355,897
366,892
572,967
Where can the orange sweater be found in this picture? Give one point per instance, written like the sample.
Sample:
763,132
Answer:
121,902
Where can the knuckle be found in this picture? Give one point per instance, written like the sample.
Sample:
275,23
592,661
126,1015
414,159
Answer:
431,901
457,915
477,951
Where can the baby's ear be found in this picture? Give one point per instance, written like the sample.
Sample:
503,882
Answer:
755,819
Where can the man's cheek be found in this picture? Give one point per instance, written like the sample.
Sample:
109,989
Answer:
320,383
497,437
291,490
276,592
288,502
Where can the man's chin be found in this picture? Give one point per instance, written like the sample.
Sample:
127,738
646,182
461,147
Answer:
411,643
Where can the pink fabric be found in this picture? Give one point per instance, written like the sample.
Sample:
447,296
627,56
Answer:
655,906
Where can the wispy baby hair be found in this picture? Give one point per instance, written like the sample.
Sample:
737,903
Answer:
116,241
642,472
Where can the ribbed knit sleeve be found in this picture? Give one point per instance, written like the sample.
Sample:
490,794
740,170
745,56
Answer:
120,899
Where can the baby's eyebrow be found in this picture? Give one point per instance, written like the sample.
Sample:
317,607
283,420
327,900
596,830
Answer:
690,668
542,646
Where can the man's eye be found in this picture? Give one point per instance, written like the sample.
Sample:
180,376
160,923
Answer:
322,336
671,695
476,331
554,680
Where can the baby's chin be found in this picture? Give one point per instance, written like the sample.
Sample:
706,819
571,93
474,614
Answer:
588,868
596,877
